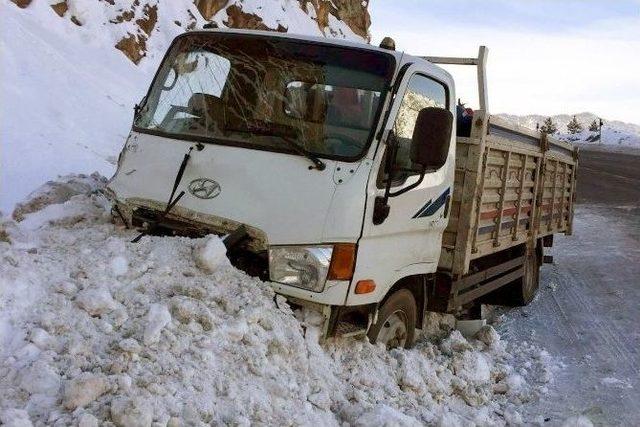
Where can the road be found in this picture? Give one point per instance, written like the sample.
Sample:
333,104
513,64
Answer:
588,310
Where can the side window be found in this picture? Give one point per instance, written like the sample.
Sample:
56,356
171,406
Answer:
422,92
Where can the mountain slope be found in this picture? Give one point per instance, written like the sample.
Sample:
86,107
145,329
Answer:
73,71
613,132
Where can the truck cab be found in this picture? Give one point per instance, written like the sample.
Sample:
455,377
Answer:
328,166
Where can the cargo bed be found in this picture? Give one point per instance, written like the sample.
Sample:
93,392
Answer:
512,186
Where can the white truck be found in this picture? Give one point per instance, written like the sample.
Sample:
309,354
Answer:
334,171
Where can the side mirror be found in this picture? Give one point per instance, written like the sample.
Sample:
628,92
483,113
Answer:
429,149
431,137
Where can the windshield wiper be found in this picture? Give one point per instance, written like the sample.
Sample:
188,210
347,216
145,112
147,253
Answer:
172,202
286,133
319,164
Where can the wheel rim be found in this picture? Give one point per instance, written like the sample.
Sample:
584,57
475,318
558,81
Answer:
393,332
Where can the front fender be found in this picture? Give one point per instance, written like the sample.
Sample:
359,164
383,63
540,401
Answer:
385,282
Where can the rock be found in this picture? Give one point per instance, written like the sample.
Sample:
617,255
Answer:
22,3
133,46
83,390
149,18
96,301
60,8
237,18
87,420
353,13
157,318
208,8
131,412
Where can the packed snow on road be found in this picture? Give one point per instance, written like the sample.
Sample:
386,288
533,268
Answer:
96,329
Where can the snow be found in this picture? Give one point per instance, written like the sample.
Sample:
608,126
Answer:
157,318
614,133
579,421
70,106
83,390
211,254
183,338
72,93
95,330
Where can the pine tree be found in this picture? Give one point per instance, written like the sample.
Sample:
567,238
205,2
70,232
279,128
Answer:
548,126
593,127
574,126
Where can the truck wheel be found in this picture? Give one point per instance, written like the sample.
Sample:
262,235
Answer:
531,279
520,292
396,325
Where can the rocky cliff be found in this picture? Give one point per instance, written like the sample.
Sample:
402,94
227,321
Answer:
135,25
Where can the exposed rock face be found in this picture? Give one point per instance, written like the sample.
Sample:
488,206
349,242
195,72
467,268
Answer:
354,13
135,45
22,3
237,18
209,8
60,8
136,24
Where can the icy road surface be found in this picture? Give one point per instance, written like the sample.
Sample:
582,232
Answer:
588,310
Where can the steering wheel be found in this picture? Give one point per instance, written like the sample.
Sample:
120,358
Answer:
346,141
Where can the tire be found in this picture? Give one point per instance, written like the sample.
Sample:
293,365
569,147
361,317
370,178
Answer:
522,291
396,325
530,281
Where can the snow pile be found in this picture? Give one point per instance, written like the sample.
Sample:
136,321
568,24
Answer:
180,337
614,132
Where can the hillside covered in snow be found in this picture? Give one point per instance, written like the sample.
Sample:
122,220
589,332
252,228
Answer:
73,70
615,133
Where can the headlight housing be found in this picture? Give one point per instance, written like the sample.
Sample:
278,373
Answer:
300,266
309,267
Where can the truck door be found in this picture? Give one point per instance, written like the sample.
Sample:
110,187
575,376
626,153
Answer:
408,242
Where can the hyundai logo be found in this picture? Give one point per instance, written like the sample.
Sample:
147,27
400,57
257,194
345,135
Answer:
204,188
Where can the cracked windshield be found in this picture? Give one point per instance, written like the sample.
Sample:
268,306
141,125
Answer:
269,94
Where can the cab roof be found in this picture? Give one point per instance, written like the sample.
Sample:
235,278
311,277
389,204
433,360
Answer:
400,56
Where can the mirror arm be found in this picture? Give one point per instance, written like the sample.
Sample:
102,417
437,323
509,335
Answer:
412,186
381,207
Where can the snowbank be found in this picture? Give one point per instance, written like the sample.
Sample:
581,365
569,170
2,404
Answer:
167,341
67,94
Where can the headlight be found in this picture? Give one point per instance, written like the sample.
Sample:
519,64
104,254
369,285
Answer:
301,266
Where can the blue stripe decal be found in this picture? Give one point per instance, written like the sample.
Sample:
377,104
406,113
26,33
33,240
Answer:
432,206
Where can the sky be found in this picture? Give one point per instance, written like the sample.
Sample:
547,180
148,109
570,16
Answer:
545,57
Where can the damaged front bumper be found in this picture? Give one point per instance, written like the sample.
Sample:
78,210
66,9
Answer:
140,213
